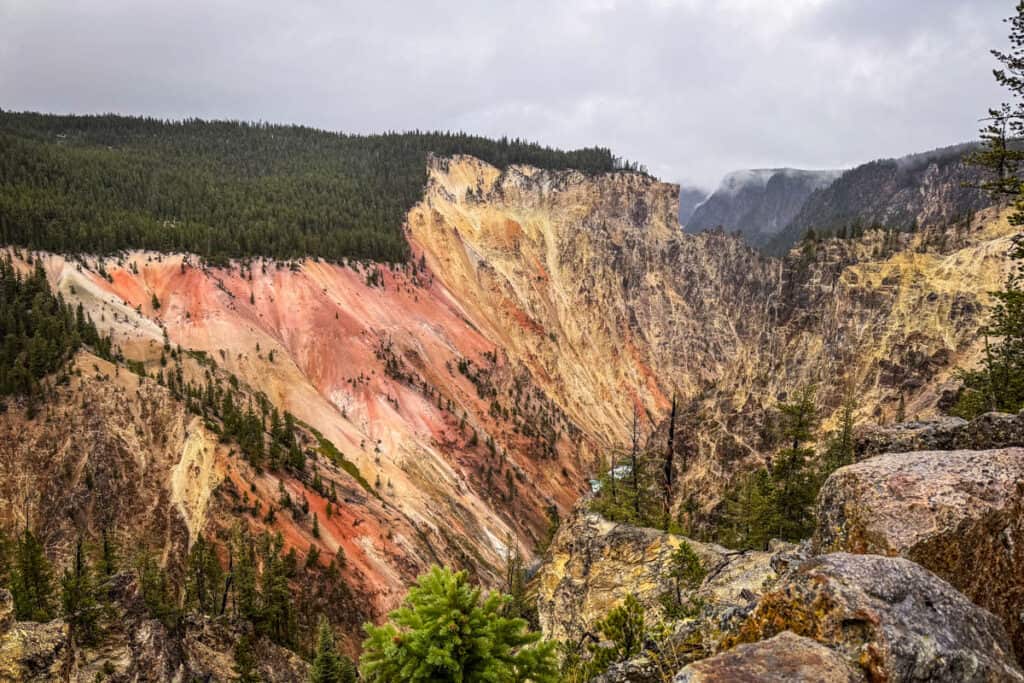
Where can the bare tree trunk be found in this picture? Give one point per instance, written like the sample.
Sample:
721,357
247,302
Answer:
227,583
633,462
669,458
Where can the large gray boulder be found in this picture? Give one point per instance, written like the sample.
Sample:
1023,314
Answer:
894,619
960,514
785,658
991,430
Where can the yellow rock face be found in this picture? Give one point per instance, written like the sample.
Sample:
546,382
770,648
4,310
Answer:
590,283
593,564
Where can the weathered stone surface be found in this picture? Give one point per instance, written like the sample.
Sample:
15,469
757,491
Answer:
135,648
908,436
594,564
895,619
639,670
991,430
959,514
29,651
786,657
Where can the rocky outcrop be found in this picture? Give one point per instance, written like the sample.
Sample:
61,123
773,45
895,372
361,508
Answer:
991,430
638,670
135,648
890,616
593,564
783,658
30,651
959,514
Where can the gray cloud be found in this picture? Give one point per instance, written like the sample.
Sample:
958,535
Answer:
691,88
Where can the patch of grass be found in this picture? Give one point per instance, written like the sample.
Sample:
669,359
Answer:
331,452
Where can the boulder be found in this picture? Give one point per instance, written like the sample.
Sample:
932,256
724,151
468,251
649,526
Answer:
638,670
786,657
890,616
594,563
30,651
991,430
960,514
908,436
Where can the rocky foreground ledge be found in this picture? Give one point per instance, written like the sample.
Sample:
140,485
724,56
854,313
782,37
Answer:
959,514
136,647
915,573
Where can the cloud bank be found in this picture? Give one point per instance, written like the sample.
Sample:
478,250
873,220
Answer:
690,88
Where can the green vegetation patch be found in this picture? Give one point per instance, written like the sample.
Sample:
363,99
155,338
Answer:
229,189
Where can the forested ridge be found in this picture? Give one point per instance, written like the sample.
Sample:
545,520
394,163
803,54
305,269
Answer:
229,189
39,331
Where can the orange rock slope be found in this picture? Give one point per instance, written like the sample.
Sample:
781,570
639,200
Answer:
394,375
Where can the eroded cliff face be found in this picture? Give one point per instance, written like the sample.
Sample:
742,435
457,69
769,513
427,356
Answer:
589,282
462,452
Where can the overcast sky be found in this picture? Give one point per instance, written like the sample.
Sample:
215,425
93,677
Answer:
690,88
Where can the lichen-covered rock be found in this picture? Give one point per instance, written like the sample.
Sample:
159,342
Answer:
786,657
991,430
902,437
134,647
594,564
959,514
29,651
638,670
894,618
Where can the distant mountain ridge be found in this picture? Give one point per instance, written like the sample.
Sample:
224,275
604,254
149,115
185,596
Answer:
759,203
927,188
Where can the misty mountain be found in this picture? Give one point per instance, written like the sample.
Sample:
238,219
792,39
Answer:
689,199
759,203
928,188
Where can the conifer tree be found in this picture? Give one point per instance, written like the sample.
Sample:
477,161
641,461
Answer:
244,576
245,661
203,577
158,593
448,630
78,597
791,469
777,501
999,383
624,629
839,451
329,666
686,572
32,585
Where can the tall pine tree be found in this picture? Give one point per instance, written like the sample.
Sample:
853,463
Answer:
999,383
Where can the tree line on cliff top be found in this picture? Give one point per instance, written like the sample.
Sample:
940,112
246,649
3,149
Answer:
230,189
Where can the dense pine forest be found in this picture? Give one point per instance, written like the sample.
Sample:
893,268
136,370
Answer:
38,330
228,189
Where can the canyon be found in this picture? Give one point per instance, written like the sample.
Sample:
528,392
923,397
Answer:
472,392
